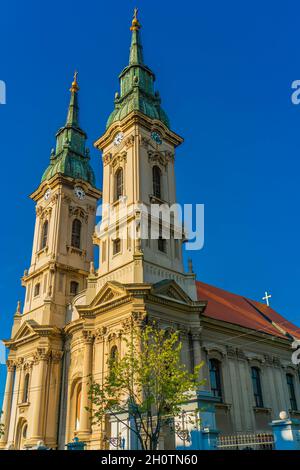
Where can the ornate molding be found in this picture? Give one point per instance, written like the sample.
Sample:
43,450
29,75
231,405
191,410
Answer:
156,157
43,212
88,336
76,211
119,159
41,354
196,334
19,363
129,141
101,333
241,355
28,365
106,158
56,356
10,364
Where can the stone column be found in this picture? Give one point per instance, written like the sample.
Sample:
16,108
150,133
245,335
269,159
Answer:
5,418
38,393
85,416
22,383
197,354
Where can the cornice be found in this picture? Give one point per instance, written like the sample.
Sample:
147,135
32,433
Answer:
136,117
60,180
226,327
53,265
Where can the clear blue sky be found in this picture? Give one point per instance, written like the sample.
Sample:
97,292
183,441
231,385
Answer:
224,71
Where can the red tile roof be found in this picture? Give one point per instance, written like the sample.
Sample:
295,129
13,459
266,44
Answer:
232,308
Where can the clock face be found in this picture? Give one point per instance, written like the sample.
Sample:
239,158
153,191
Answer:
118,139
156,137
79,192
47,194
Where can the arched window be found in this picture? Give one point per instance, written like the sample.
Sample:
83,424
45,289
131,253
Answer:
156,177
26,389
291,387
215,378
44,234
77,410
74,287
114,353
119,184
76,233
256,382
113,358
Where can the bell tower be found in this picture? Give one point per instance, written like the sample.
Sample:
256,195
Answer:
65,217
62,254
140,238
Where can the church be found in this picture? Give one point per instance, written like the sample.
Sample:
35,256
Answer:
74,314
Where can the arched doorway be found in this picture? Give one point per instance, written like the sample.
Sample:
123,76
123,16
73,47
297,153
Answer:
21,435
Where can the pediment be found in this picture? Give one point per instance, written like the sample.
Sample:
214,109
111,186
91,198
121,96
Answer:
30,330
110,292
170,289
27,329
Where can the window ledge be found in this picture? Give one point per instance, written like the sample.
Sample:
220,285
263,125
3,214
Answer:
24,404
261,409
42,250
73,249
156,200
224,406
122,199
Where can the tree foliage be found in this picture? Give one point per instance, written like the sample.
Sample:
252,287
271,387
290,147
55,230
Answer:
148,382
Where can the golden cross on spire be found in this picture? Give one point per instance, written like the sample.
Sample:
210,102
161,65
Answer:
74,87
135,25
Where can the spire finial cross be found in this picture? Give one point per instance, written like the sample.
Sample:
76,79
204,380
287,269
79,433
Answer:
135,25
74,87
266,298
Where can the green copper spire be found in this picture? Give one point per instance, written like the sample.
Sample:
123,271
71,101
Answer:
70,157
137,84
136,48
73,111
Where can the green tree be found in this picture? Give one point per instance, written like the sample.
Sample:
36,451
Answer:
149,383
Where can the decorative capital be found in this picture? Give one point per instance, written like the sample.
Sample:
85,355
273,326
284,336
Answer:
196,333
41,354
10,365
19,362
88,336
56,356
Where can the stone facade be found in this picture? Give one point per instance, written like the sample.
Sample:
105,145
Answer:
74,314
